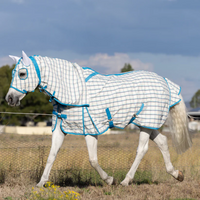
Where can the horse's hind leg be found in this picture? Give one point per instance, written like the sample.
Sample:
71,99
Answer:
91,142
141,150
161,141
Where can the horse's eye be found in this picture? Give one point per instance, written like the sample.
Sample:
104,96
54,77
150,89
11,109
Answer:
23,74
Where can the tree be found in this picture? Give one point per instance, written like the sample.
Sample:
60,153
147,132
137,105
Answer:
195,102
127,67
34,102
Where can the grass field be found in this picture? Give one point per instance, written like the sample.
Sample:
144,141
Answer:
22,160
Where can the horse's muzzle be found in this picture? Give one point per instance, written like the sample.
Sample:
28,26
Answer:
12,101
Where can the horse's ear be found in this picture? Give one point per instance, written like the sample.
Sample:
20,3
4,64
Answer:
26,60
15,58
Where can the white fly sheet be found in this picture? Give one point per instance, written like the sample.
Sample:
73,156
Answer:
138,97
90,103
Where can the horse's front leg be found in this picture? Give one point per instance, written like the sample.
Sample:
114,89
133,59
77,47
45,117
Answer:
91,142
57,140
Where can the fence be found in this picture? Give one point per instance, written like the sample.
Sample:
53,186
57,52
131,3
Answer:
28,153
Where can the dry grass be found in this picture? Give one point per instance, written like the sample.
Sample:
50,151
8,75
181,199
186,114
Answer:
169,190
23,159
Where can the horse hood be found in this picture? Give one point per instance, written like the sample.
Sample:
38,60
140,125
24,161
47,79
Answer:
62,81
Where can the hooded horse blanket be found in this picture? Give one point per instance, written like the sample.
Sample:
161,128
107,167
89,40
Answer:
90,103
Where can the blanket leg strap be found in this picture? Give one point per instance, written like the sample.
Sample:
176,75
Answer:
59,115
135,115
111,125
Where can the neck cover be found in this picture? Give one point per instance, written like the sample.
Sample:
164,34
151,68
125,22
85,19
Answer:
62,81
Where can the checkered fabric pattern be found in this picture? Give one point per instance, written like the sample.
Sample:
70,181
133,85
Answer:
174,90
139,97
90,103
63,80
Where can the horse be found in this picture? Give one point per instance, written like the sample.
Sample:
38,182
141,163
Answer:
88,103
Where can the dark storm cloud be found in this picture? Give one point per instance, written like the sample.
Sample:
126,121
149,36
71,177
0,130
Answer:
91,26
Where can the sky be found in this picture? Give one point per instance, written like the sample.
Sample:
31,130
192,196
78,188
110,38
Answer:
155,35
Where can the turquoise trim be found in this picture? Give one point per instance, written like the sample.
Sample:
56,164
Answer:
84,105
61,116
145,126
119,74
179,91
175,103
169,93
80,133
138,112
89,68
99,133
26,73
44,88
92,120
84,133
90,76
24,91
83,120
14,71
36,68
141,108
52,96
111,125
170,96
108,113
111,74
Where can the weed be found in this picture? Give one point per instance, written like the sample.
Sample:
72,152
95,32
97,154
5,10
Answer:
143,177
8,198
107,193
86,190
51,192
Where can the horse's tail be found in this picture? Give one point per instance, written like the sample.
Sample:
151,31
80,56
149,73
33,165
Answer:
178,124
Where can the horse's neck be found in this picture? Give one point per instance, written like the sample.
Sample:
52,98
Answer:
43,67
48,67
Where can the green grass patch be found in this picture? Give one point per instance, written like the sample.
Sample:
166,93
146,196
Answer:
89,177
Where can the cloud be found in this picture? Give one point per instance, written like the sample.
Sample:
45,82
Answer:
89,27
113,64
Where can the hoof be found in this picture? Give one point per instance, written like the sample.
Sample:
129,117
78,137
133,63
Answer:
40,184
114,181
180,176
125,182
110,180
